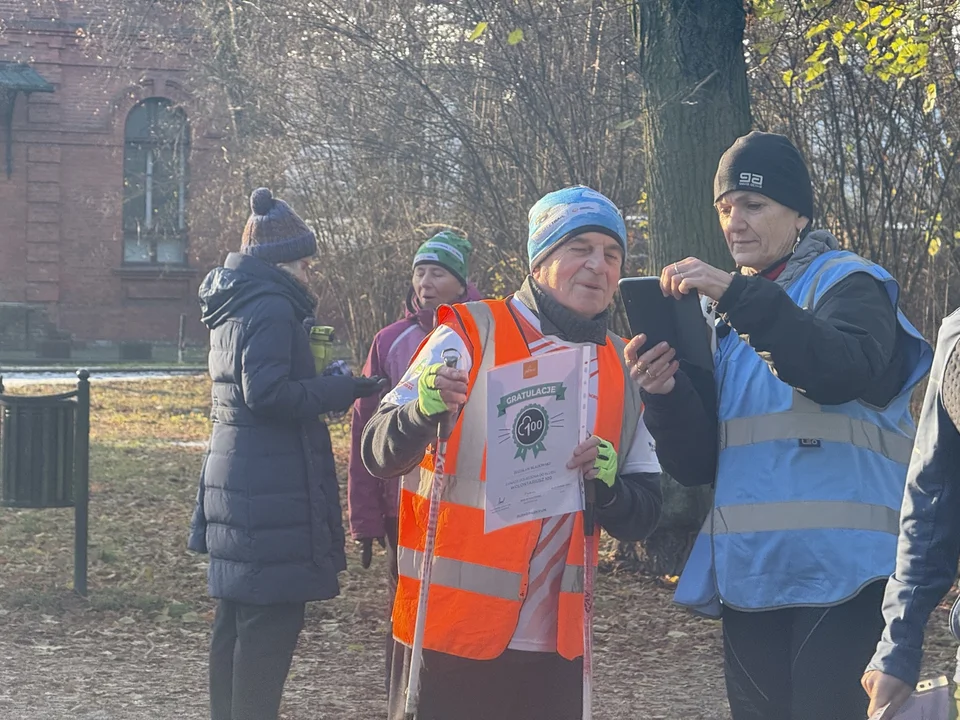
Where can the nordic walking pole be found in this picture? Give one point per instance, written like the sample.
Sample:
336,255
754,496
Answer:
589,542
589,507
444,428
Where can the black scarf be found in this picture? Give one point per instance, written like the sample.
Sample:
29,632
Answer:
559,320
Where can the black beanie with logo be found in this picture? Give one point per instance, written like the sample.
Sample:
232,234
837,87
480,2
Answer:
768,164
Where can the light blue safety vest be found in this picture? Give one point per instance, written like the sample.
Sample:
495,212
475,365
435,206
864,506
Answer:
807,497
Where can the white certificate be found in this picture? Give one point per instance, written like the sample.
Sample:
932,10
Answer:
533,425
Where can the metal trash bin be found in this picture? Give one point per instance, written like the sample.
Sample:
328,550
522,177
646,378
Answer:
45,458
37,443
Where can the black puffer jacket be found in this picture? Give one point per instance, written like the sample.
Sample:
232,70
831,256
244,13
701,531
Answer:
268,509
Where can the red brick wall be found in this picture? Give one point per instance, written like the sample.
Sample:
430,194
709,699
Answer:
13,224
61,241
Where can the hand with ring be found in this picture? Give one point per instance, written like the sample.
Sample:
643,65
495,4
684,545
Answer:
654,369
693,275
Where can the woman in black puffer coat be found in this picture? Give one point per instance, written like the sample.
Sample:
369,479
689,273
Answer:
268,508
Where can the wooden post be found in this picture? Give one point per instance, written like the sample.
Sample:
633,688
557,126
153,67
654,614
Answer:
181,339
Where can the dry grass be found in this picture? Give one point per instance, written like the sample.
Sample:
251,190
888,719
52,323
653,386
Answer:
137,647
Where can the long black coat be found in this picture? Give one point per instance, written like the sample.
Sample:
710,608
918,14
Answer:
268,509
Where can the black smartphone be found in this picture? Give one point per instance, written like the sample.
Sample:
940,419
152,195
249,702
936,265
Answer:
680,323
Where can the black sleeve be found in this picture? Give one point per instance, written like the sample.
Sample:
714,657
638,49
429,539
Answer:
395,440
634,510
265,376
835,353
684,425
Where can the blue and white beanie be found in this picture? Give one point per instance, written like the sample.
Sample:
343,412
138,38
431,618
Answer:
560,215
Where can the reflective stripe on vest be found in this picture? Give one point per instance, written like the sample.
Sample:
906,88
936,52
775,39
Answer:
467,491
572,580
468,456
804,515
806,420
479,579
461,575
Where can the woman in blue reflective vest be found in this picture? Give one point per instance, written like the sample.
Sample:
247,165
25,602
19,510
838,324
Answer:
805,432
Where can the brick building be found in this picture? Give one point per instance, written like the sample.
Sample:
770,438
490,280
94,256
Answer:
100,142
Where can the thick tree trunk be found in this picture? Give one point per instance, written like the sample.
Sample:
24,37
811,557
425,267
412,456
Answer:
684,509
695,103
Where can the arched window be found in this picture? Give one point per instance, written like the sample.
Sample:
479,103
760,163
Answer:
156,148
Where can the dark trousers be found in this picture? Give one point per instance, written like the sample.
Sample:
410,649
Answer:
393,577
801,663
515,686
250,654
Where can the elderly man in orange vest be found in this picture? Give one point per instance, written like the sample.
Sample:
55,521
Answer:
504,630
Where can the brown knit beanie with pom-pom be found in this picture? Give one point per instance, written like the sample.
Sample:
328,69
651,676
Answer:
274,232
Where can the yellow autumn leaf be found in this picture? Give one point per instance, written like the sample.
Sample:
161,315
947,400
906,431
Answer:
820,27
934,247
931,98
477,31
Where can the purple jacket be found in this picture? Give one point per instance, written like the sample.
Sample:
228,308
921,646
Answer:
370,499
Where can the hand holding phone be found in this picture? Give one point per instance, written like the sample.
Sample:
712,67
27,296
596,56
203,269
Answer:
678,322
653,369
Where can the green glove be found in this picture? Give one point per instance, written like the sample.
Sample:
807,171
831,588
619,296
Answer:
428,397
606,463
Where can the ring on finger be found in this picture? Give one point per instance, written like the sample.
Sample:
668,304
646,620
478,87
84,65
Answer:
649,374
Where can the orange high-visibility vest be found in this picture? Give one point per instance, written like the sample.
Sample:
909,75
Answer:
480,580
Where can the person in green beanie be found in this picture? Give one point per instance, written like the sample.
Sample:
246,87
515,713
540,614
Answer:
440,268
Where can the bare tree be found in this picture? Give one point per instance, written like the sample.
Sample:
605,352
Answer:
399,117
